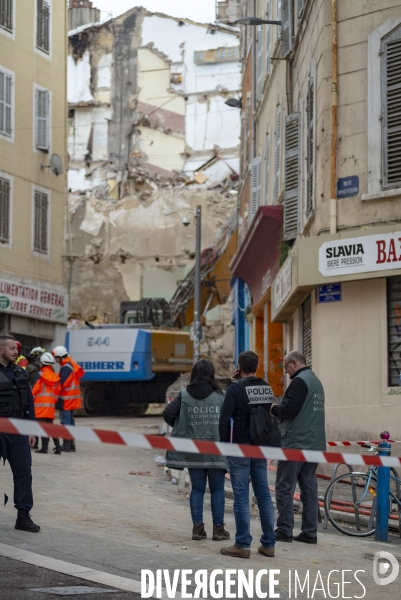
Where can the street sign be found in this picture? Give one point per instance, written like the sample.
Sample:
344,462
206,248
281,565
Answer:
347,186
329,293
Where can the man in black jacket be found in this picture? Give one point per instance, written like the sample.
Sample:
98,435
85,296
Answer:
16,401
236,407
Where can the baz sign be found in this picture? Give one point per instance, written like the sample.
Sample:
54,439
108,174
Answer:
360,255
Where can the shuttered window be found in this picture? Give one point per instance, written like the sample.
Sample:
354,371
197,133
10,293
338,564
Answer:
277,155
43,25
287,27
301,6
268,35
310,147
279,18
259,61
4,211
6,14
307,331
394,329
41,216
5,103
292,176
255,195
267,168
42,119
391,109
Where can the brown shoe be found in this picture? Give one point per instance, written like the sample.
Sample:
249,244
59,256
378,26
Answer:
198,532
266,551
236,552
220,534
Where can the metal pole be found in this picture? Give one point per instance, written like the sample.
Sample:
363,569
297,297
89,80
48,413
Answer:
197,300
383,492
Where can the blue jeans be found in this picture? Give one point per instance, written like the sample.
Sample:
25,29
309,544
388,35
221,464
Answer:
67,417
216,486
240,471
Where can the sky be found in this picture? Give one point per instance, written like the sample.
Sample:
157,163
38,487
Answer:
197,10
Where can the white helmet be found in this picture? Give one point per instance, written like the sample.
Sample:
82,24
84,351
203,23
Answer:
59,351
35,352
47,359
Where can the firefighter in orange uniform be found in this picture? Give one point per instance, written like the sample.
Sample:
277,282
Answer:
46,391
21,361
70,396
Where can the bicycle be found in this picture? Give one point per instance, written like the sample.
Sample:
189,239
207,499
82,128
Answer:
350,500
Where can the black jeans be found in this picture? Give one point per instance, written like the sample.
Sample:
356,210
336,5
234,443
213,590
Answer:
288,474
16,450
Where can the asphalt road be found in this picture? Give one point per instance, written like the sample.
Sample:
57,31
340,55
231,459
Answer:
105,522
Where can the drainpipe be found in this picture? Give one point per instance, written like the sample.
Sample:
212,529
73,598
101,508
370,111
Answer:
334,104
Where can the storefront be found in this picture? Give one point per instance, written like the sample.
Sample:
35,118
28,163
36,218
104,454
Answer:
257,263
339,297
35,314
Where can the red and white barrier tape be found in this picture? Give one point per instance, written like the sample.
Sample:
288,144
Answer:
136,440
333,444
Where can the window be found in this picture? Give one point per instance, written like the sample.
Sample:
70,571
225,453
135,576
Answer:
255,195
5,103
307,330
292,176
394,329
5,208
6,15
42,119
268,35
287,27
41,216
259,61
391,110
43,25
301,6
310,147
277,155
267,168
218,55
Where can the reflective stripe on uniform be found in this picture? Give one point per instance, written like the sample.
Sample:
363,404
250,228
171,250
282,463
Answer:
43,405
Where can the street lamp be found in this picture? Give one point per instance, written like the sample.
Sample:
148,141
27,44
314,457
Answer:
255,21
197,299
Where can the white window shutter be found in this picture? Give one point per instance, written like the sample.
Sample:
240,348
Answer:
255,194
287,27
310,147
268,35
42,119
277,155
259,61
292,191
301,6
6,84
267,168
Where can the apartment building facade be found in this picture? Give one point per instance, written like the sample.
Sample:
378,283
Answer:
33,112
325,203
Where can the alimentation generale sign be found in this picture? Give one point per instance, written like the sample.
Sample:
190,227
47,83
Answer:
31,301
379,252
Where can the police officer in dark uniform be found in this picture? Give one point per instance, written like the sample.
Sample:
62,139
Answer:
16,401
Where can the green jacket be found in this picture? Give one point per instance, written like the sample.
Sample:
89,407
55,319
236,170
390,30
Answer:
306,431
198,419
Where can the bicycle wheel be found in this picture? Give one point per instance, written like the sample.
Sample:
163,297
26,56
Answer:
350,504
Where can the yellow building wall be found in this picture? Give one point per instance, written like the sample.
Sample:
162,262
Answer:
18,157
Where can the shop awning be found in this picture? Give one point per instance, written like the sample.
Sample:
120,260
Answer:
257,259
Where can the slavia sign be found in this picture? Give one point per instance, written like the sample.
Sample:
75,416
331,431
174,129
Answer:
360,255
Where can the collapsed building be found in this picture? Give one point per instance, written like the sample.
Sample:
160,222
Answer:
150,137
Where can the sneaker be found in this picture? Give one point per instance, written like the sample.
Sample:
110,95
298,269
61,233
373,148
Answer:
25,523
266,551
219,533
198,532
236,552
280,537
307,539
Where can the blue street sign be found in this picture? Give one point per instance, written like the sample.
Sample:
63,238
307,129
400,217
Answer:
329,293
347,186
